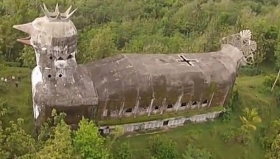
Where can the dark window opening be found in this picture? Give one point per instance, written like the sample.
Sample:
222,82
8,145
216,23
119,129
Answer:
129,110
165,122
205,102
156,107
194,103
73,116
51,57
60,75
49,76
101,131
183,104
169,106
60,58
69,57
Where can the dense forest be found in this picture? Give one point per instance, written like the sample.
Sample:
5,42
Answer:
249,129
167,26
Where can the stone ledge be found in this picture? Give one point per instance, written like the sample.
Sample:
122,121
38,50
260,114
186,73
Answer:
153,117
168,122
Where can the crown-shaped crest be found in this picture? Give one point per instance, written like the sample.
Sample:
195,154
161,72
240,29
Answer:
56,15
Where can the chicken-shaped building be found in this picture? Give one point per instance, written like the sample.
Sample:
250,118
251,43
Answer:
126,85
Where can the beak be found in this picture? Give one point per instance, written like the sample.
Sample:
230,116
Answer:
24,40
27,28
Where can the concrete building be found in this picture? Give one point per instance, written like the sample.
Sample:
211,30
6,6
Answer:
127,85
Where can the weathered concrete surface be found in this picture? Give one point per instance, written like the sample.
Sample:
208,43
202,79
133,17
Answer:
141,82
57,81
160,75
126,85
170,122
55,92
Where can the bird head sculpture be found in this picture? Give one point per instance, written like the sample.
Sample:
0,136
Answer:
54,39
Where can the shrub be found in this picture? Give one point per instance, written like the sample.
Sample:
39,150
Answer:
228,135
269,80
233,105
123,152
250,70
162,147
238,135
192,136
196,153
242,136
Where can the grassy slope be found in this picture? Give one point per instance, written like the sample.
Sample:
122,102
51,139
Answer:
19,98
206,135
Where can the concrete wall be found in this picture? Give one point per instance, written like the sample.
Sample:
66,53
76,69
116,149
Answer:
170,122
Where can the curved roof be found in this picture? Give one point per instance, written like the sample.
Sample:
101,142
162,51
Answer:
161,75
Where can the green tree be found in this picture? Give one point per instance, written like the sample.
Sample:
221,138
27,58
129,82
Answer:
162,147
28,57
59,145
274,152
15,142
123,151
101,45
250,119
88,143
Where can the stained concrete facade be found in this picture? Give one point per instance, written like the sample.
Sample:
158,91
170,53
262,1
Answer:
125,85
133,85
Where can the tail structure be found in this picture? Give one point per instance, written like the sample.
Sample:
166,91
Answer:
243,42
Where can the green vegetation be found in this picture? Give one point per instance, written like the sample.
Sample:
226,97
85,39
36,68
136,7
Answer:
18,98
249,129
